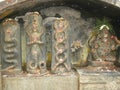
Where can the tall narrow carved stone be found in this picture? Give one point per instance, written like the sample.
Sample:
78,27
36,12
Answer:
61,47
0,64
35,36
11,49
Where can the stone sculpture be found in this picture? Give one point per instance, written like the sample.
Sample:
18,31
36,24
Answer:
61,47
11,52
35,35
103,49
118,50
0,64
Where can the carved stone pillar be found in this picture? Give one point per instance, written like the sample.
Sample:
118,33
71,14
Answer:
0,64
35,36
11,49
61,47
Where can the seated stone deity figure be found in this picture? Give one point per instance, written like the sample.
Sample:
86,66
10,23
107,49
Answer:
103,50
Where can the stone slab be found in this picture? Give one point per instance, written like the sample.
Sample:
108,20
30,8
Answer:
99,81
52,82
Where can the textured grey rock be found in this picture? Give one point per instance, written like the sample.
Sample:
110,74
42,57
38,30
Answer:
52,82
99,81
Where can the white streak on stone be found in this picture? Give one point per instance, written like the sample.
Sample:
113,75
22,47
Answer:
2,0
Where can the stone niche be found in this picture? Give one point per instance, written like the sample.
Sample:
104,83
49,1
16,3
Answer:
49,45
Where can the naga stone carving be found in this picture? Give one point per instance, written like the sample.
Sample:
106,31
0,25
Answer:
35,36
11,48
0,51
103,49
61,47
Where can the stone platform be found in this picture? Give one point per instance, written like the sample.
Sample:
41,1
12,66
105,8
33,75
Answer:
99,81
48,82
81,81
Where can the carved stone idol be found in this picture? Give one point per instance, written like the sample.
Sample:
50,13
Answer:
61,47
103,49
35,35
11,52
0,63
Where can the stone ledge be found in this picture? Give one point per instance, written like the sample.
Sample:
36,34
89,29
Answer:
51,82
99,81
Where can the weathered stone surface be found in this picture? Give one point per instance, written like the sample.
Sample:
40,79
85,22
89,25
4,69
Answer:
0,64
92,87
80,31
61,47
0,82
7,7
36,48
11,48
113,2
99,81
52,82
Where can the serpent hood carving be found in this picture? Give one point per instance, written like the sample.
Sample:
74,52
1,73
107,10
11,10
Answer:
61,47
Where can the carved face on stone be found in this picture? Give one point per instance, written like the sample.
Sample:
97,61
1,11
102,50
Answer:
9,29
33,20
60,24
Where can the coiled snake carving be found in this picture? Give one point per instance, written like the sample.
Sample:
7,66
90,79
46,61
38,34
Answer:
11,53
10,56
61,44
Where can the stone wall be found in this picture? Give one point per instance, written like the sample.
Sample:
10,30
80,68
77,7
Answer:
82,81
52,82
